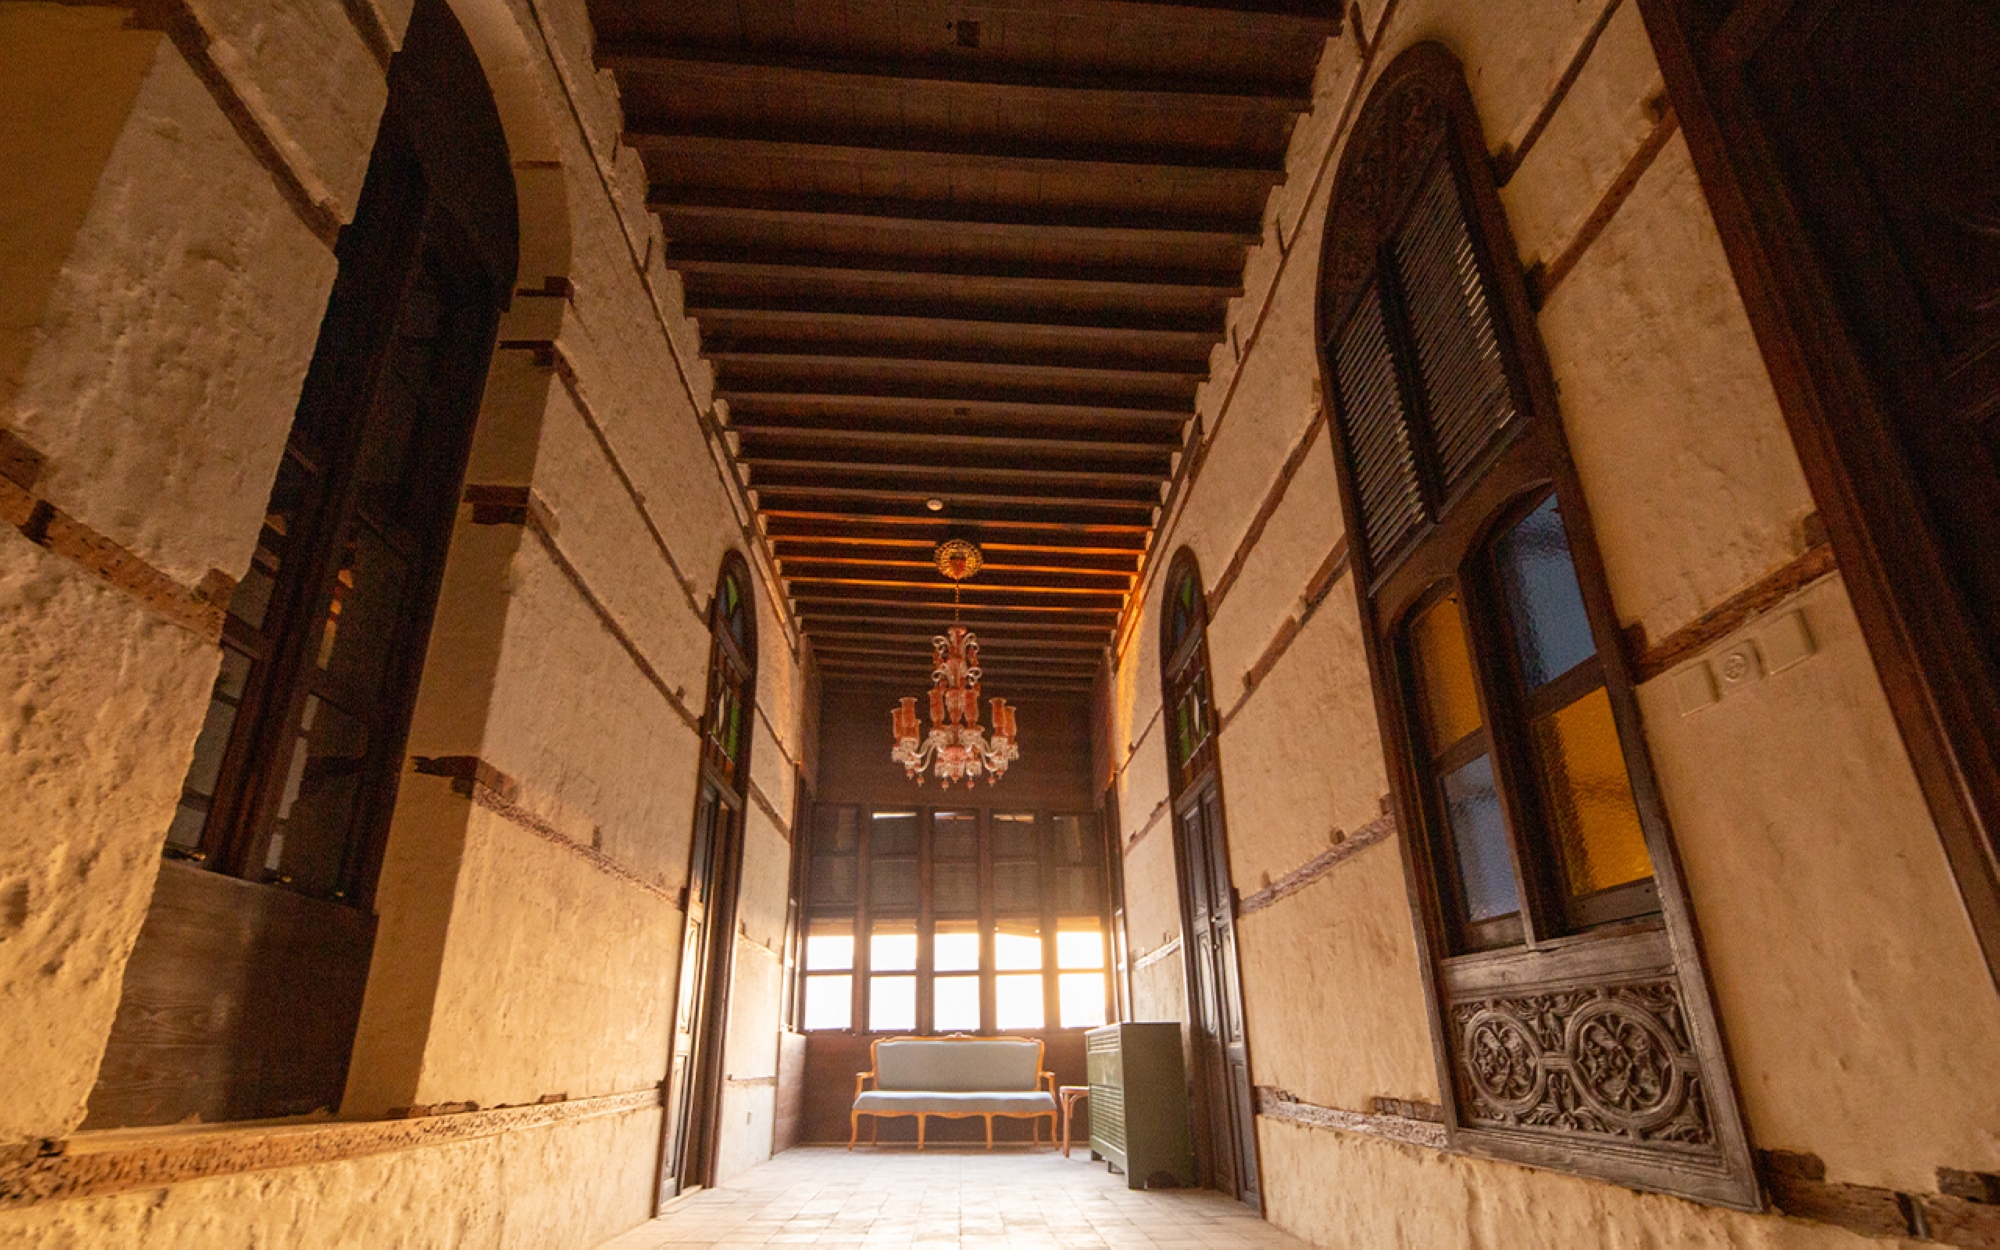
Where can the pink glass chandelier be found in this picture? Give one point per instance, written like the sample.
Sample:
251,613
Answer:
957,748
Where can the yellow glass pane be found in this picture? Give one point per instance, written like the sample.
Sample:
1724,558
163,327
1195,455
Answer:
1590,796
1444,674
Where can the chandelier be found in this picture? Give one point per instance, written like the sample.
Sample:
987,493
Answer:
957,748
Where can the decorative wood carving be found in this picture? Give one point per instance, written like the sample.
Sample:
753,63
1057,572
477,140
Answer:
1613,1060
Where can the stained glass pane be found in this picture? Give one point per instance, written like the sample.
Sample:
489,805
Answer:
1589,793
1479,841
1444,674
1544,603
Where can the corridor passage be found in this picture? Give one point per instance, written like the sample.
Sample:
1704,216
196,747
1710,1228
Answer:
825,1196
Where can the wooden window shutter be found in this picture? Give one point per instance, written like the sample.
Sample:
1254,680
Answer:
1377,426
1451,320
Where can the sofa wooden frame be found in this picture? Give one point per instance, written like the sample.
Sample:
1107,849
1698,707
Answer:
1043,1078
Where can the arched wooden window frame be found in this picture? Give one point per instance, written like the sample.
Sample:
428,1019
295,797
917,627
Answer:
730,708
1517,1025
1186,686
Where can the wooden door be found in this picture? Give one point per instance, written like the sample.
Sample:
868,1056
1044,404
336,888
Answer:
694,1075
1852,152
1226,1132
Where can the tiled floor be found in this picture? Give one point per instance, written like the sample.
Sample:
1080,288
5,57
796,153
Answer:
1006,1200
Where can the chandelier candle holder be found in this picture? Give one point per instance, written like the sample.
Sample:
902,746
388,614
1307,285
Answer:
957,748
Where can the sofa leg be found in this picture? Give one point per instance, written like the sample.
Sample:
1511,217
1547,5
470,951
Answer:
854,1130
921,1117
989,1132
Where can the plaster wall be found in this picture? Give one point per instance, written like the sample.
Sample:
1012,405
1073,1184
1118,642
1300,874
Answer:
1817,881
527,942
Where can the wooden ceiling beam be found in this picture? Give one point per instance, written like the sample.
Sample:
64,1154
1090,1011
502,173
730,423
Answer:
945,275
749,407
1059,445
994,366
1013,83
1187,171
1085,507
922,639
820,523
1149,312
850,553
955,223
928,623
723,327
830,578
777,471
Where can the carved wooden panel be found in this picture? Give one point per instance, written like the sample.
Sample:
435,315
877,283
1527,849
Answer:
1607,1061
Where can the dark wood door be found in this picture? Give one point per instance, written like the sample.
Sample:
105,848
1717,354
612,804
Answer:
694,1075
1851,149
1226,1111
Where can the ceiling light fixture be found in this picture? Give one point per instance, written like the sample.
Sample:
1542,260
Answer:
935,505
957,748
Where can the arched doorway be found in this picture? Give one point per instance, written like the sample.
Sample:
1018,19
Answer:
715,872
1225,1108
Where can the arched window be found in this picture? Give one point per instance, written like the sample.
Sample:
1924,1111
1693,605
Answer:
1190,703
732,671
1557,941
295,771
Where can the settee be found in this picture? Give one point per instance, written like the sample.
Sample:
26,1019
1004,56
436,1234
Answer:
954,1076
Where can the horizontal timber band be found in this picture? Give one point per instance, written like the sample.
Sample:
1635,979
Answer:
80,1168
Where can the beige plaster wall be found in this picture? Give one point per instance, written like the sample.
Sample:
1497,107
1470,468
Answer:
520,955
569,1185
1817,881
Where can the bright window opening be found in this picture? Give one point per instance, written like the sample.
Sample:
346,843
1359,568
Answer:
1018,999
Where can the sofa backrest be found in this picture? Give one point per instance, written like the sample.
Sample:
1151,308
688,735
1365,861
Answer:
951,1066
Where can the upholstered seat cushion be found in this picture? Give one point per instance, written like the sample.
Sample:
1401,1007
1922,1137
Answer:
942,1102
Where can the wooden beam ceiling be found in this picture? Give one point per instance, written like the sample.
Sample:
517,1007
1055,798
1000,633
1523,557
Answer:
959,269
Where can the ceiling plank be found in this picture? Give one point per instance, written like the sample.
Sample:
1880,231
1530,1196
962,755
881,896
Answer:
958,223
1023,85
1185,172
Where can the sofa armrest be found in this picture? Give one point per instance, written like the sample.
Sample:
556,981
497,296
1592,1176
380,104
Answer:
1046,1078
860,1078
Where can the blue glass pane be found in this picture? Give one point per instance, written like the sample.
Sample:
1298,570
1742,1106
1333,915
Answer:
1479,839
1544,602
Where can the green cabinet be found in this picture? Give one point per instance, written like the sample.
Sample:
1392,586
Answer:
1139,1103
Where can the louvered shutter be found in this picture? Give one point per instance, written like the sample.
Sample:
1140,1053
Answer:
1451,320
1377,429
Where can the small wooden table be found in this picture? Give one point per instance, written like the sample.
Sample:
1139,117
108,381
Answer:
1069,1094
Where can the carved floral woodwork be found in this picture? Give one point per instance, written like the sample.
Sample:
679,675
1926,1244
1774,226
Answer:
1612,1060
